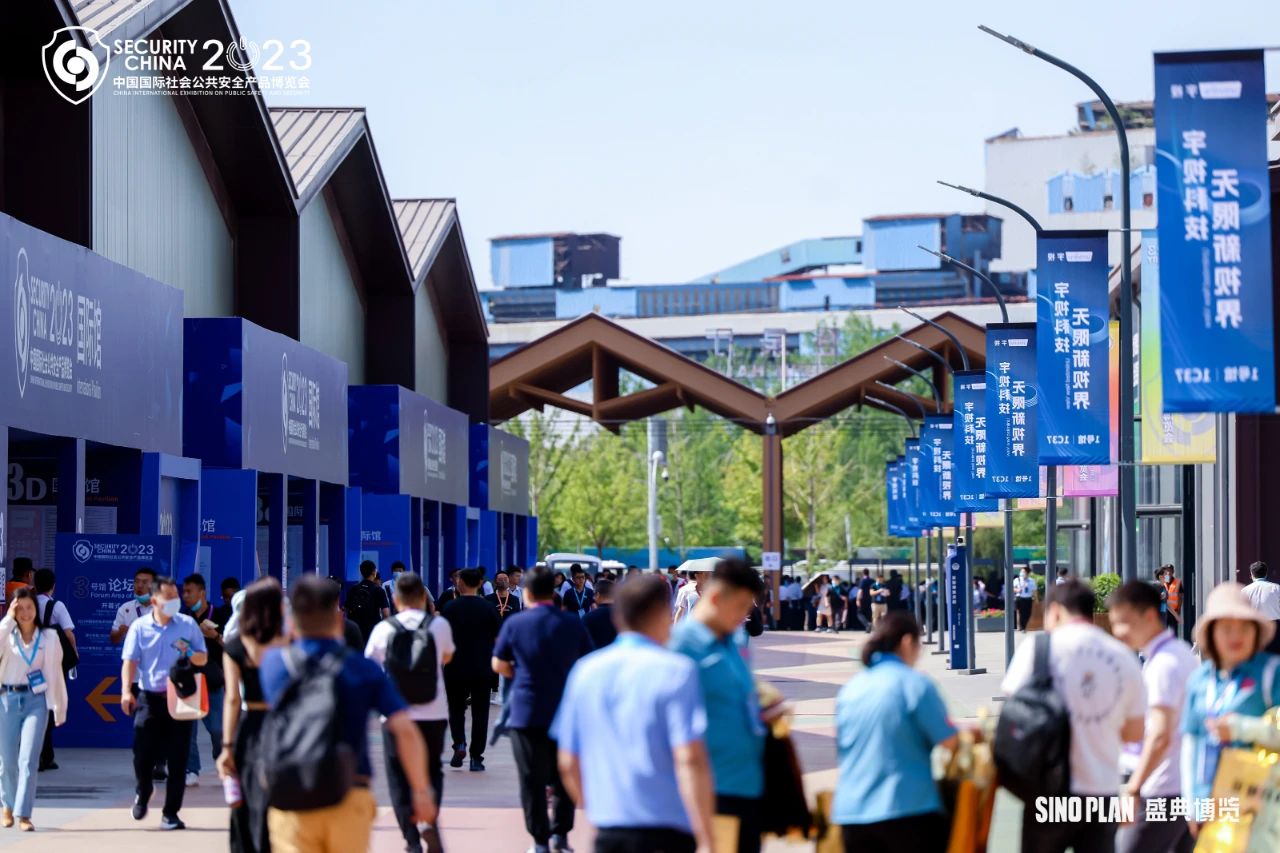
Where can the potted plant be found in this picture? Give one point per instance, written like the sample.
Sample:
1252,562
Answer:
1103,586
989,621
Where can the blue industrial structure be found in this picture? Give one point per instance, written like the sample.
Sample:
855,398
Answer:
563,276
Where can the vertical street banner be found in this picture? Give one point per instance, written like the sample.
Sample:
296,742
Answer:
958,600
914,514
1012,407
1080,481
1214,198
1072,310
905,526
936,481
891,498
969,454
1165,438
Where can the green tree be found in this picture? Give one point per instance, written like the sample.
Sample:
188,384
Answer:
604,502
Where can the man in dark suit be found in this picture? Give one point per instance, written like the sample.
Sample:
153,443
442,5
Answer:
504,597
469,676
599,622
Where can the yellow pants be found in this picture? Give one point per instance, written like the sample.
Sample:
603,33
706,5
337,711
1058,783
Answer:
344,828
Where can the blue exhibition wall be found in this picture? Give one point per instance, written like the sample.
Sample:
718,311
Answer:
404,443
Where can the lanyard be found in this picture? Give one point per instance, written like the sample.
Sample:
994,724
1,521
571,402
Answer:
35,648
581,596
1168,638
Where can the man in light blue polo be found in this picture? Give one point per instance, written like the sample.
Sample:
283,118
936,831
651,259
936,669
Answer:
714,639
152,646
630,732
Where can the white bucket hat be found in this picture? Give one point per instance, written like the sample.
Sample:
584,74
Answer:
1228,601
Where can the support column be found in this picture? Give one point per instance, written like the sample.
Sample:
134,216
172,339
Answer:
771,523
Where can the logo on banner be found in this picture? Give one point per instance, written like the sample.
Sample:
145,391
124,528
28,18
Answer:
299,408
509,472
22,320
74,71
82,551
433,448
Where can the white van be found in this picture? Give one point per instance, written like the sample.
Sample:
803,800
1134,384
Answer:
561,562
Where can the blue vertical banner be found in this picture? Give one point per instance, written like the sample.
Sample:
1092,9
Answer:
957,601
936,444
969,453
914,515
1214,228
1072,312
892,498
1012,469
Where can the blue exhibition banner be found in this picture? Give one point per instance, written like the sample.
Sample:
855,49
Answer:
260,400
1012,469
1214,197
95,576
1072,339
404,443
92,349
936,444
893,497
957,604
499,470
969,453
914,516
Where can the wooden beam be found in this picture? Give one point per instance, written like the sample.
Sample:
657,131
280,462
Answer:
640,404
536,395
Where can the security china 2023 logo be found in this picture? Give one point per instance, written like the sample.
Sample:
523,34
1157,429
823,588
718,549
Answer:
74,69
22,320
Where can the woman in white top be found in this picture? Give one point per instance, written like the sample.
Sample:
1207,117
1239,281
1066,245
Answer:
31,685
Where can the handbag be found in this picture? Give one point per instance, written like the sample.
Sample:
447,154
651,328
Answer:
187,692
784,808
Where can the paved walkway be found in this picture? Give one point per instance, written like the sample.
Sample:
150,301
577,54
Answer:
84,805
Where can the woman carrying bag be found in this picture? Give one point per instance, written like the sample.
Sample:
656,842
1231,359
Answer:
31,686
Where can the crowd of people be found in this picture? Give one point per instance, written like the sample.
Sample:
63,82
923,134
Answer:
629,695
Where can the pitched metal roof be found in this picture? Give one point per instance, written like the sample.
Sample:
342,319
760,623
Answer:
315,140
424,225
108,16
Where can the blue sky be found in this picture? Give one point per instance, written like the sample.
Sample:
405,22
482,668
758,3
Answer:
705,131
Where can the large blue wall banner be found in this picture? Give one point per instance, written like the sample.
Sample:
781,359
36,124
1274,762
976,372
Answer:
499,470
969,453
95,576
1214,200
1012,469
404,443
1072,312
257,399
88,348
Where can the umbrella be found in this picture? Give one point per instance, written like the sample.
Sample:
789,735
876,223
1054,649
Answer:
702,564
811,587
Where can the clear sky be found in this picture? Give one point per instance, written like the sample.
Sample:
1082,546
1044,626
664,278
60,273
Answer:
706,131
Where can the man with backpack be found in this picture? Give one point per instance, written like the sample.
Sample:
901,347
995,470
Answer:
1087,689
315,757
367,604
413,647
53,614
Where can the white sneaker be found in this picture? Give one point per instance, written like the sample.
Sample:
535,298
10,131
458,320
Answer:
193,779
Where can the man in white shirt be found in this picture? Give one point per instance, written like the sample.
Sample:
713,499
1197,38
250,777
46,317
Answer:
431,717
52,614
1101,683
1168,664
1265,597
1024,595
136,607
687,597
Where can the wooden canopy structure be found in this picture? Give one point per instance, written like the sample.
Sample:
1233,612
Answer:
593,348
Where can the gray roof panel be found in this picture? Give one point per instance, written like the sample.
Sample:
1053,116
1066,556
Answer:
424,224
314,140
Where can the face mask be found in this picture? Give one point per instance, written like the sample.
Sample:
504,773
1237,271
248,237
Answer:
143,599
171,607
500,586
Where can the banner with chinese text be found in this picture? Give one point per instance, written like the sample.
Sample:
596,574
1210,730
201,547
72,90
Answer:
1214,198
1092,481
936,480
969,454
1071,348
1012,469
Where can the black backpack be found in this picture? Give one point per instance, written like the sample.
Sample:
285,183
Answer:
69,655
412,661
1033,736
361,608
305,764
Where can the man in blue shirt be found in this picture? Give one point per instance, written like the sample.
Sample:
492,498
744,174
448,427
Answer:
536,648
154,643
713,639
630,733
363,688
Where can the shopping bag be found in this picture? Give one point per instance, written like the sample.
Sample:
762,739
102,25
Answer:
784,808
829,839
726,829
193,707
1242,775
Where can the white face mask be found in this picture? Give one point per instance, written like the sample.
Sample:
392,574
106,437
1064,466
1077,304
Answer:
171,607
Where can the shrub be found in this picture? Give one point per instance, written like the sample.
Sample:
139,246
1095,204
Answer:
1103,586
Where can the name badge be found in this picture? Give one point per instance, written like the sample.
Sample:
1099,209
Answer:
35,680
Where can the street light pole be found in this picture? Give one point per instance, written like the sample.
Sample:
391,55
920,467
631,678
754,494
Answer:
656,461
1004,308
1128,484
